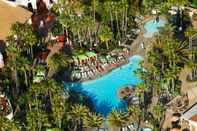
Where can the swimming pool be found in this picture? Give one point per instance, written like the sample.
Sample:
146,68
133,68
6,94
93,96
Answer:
103,91
151,27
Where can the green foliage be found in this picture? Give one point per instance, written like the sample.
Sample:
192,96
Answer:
7,125
86,25
57,29
36,119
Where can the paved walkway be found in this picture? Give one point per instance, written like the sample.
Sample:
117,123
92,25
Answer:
188,87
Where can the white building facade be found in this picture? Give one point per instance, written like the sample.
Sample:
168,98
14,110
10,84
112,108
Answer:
27,3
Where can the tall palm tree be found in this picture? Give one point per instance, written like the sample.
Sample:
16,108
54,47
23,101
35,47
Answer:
58,98
78,113
135,114
158,113
24,36
109,11
57,61
192,33
167,31
89,27
13,53
105,35
118,118
180,4
7,125
93,120
36,119
48,97
25,66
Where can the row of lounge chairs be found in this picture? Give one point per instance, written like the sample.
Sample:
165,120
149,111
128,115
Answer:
97,68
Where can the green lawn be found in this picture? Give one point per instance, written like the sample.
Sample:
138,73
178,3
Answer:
194,3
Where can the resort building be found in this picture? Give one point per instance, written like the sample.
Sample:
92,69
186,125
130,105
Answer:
190,116
31,4
8,16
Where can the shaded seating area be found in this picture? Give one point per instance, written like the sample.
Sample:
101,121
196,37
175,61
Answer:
82,59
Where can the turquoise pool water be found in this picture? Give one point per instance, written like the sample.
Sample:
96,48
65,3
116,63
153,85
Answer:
151,27
103,91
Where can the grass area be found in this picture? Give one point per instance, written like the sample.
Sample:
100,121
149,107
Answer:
194,4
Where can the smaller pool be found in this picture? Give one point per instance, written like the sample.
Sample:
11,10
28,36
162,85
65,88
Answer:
151,27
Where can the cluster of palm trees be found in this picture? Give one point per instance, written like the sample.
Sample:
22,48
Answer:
38,106
90,23
165,60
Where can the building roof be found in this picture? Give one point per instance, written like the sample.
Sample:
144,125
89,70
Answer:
10,14
194,118
191,113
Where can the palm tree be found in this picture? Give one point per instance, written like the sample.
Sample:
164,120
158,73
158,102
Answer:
105,35
192,33
109,9
36,119
135,114
116,12
167,31
25,67
7,125
158,113
93,120
95,4
124,5
118,118
13,53
57,61
180,4
24,36
169,56
29,38
58,99
40,96
78,113
78,7
65,21
89,27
